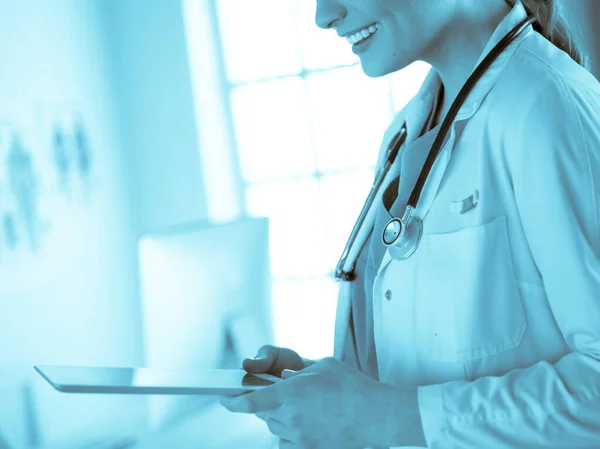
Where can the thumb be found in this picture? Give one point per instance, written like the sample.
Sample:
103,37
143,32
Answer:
261,363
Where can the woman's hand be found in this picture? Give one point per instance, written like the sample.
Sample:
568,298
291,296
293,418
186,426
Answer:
331,405
273,360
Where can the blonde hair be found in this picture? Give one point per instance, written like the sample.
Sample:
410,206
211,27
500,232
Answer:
551,24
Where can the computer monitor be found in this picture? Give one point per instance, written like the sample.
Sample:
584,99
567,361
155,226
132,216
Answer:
204,288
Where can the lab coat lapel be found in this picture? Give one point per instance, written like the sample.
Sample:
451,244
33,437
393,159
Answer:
414,115
419,108
430,189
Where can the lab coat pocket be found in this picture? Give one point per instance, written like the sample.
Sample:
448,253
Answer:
467,298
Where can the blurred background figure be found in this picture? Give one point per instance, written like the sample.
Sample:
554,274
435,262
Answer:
25,189
61,159
186,121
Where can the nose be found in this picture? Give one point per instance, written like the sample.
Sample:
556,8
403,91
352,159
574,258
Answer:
328,12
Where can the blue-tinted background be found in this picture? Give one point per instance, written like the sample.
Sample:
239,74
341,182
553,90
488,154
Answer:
121,120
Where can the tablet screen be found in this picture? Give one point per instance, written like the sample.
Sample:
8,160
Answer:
73,379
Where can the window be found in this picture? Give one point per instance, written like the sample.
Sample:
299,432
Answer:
307,125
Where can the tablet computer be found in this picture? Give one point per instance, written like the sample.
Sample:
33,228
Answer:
113,380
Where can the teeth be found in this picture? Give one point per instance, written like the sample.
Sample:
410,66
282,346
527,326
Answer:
362,34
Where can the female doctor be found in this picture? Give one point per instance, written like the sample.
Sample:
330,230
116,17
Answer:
483,331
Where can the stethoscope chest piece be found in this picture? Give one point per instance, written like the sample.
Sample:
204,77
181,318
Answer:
402,236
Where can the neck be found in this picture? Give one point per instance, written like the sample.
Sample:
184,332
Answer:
456,51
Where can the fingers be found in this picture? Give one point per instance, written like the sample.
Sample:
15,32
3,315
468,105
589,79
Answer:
272,360
258,401
263,362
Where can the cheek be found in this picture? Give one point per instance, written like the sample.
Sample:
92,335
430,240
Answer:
400,46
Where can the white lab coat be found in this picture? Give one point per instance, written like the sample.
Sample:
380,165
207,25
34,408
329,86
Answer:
496,317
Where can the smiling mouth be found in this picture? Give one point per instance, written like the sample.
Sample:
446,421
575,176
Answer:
366,39
363,35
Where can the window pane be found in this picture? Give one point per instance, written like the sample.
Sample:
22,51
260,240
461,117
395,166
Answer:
272,129
349,113
407,82
343,196
260,38
304,316
321,49
296,226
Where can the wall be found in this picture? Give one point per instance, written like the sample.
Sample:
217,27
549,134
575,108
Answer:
76,300
156,110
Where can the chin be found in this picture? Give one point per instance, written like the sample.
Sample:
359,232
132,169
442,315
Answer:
375,70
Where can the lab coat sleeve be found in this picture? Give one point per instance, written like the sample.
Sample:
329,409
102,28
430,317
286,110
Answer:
553,159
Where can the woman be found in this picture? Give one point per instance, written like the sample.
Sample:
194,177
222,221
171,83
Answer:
488,336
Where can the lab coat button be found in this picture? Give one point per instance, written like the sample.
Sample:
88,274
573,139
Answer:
388,295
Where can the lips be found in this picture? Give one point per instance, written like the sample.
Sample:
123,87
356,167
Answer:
357,30
363,34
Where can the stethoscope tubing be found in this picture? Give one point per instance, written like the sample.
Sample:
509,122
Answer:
346,265
457,104
350,253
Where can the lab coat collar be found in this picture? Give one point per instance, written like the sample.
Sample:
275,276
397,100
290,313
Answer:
417,110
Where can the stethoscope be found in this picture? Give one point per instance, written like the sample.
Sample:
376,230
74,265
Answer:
402,235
